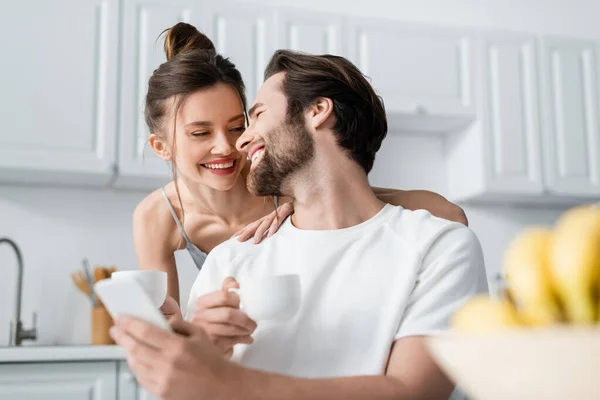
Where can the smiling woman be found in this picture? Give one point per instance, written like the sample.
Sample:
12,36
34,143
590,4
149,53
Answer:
195,110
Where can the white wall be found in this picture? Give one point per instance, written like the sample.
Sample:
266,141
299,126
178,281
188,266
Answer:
57,227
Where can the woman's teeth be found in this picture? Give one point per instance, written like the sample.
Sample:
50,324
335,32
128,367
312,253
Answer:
257,154
220,166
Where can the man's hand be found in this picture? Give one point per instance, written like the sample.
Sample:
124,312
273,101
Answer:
183,365
219,314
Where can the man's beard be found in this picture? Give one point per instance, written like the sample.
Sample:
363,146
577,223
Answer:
290,148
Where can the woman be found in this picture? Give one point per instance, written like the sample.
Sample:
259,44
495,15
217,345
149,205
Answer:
195,110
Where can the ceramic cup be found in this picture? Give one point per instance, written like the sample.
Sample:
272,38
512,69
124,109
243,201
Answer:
270,298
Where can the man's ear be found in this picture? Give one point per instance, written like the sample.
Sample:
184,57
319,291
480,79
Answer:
160,147
320,112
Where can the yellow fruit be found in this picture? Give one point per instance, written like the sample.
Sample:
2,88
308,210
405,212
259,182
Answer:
575,262
527,271
481,314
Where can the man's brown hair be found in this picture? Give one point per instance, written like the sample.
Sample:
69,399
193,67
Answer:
361,124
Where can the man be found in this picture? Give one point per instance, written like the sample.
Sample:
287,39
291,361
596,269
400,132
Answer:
376,279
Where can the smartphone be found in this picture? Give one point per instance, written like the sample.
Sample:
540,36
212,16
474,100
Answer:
127,297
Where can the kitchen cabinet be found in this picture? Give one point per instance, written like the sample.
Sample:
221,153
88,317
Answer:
425,74
70,380
64,381
309,31
500,156
142,52
128,387
519,113
569,87
59,91
536,138
245,34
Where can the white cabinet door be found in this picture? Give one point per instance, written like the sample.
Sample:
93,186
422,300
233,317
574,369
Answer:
142,53
64,381
571,135
500,157
245,33
58,84
128,386
309,31
512,147
417,70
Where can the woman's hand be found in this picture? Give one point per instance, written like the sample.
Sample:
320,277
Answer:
170,309
270,222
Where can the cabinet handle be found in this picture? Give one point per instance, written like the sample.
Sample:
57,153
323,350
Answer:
128,377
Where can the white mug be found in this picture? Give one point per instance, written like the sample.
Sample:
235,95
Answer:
154,283
270,298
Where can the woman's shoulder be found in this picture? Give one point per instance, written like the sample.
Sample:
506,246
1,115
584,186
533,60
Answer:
152,216
152,207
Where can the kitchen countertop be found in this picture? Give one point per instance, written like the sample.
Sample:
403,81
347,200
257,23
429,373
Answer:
60,353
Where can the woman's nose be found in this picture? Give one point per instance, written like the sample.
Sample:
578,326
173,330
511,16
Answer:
223,145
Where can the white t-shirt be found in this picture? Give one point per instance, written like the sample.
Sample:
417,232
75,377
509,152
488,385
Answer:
398,274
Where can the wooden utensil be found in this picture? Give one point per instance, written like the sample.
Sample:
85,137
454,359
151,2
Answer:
82,284
98,274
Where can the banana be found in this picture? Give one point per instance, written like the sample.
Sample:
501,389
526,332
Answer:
527,271
575,262
481,314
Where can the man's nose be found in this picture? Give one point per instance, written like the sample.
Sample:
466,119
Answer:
243,142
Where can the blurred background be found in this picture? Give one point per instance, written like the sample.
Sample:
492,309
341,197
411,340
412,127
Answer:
491,103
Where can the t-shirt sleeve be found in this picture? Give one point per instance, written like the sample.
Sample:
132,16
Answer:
447,279
207,281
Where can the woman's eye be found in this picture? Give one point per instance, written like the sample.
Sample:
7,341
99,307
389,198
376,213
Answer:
239,129
204,133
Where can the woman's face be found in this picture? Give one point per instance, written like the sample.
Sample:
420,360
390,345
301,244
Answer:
209,122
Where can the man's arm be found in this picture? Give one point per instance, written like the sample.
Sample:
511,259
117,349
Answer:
186,365
433,202
411,374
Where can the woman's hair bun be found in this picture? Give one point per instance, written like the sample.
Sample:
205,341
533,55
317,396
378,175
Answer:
184,37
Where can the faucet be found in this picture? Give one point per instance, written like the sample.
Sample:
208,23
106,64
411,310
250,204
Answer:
17,332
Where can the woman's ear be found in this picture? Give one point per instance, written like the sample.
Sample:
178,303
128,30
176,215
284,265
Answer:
160,147
320,112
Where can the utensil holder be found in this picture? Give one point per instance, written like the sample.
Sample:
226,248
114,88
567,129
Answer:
101,323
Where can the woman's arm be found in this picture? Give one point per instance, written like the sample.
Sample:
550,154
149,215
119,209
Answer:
423,199
153,240
435,203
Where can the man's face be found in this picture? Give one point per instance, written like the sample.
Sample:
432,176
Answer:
277,145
